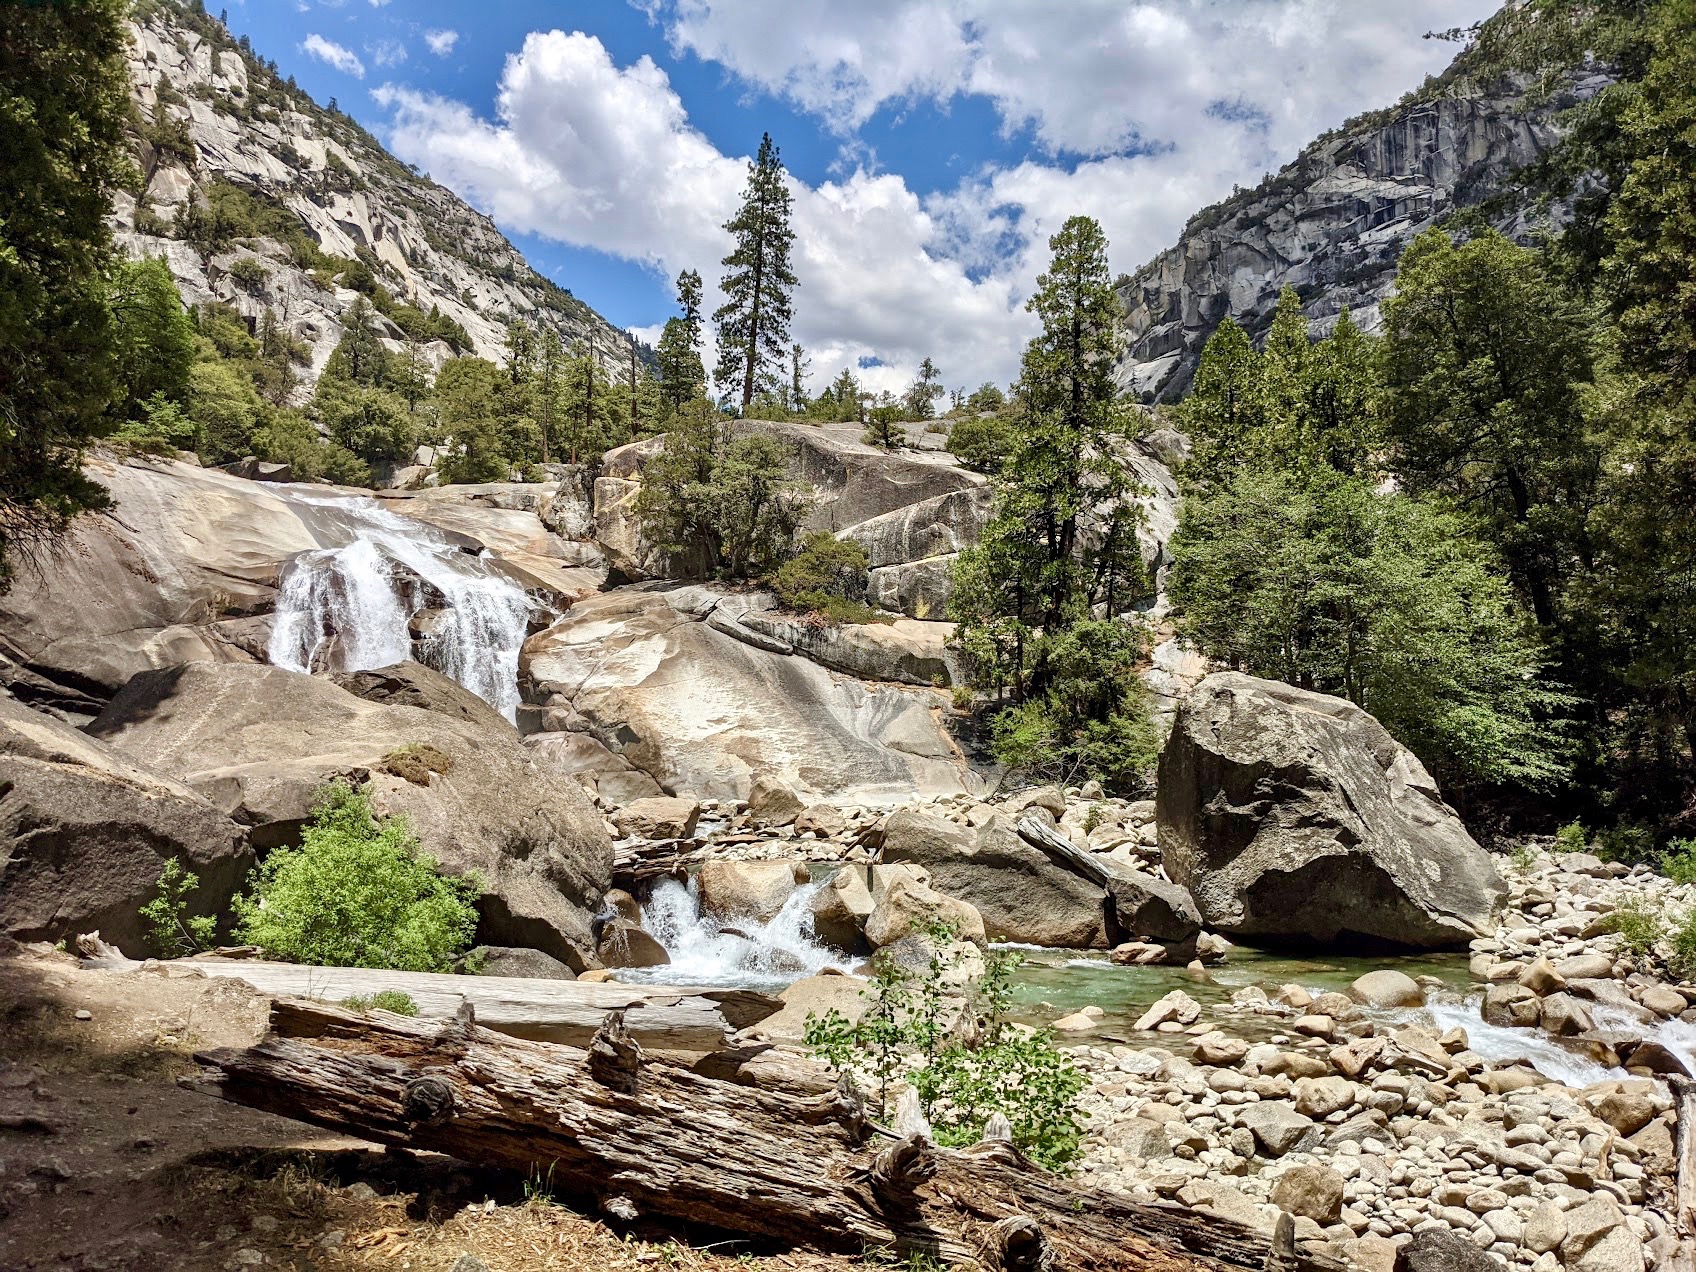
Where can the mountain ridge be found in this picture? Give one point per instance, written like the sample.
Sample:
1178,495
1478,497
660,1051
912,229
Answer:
1332,222
211,114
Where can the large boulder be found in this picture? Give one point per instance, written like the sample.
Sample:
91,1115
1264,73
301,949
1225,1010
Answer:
1290,814
667,679
754,890
1145,907
259,742
85,831
1022,894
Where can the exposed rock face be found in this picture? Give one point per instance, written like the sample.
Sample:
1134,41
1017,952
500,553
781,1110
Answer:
1020,892
1333,223
85,831
185,569
259,741
351,196
1294,814
174,573
657,677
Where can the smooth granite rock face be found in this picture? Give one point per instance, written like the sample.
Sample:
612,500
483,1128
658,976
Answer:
1296,815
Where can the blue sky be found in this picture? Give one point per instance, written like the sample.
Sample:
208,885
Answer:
933,144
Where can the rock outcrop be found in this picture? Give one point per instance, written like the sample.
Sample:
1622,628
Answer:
85,831
1295,815
345,193
1333,223
258,742
667,680
1022,894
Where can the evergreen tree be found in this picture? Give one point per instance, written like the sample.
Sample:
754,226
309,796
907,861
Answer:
64,99
1060,543
921,398
154,340
799,368
753,322
679,351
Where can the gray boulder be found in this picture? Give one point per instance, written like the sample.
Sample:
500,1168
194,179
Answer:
1022,894
1443,1250
1293,814
259,742
1146,907
85,831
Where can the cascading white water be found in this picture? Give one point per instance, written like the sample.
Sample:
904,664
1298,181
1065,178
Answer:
349,604
754,955
1499,1043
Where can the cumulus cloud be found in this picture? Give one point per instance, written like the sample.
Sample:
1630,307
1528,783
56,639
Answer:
441,42
333,54
586,152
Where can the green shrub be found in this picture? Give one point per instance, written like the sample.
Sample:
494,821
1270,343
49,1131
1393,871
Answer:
1572,837
905,1035
1683,961
980,444
383,1000
249,272
1678,862
357,893
1628,842
1640,926
171,931
827,577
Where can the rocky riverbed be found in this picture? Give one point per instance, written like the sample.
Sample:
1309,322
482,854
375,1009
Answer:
1513,1094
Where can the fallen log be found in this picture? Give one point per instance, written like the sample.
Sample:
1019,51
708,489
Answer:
660,1018
1684,1158
658,1140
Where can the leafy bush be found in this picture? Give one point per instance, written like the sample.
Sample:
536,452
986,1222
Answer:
980,444
171,931
383,1000
1683,961
1640,927
248,272
1572,837
1628,842
962,1075
827,576
357,893
1678,862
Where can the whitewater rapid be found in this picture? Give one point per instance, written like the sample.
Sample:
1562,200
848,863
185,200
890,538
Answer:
349,604
743,953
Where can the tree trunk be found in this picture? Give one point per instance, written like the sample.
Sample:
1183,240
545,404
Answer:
650,1137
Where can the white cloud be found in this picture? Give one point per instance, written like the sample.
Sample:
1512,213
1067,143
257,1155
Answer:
333,54
586,152
387,52
441,42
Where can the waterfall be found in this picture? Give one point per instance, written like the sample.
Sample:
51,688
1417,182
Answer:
349,604
751,954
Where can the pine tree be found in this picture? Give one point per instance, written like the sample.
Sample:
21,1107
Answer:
64,100
679,351
799,368
921,398
753,322
1060,542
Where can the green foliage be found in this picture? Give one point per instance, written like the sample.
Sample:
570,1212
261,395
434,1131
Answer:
906,1033
172,931
1572,837
883,427
1091,719
64,100
357,893
981,444
1640,927
249,272
826,577
1627,841
1678,861
753,322
394,1000
718,504
1061,546
154,341
1314,578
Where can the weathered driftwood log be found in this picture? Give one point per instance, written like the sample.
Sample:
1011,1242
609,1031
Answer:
661,1140
569,1012
1684,1157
